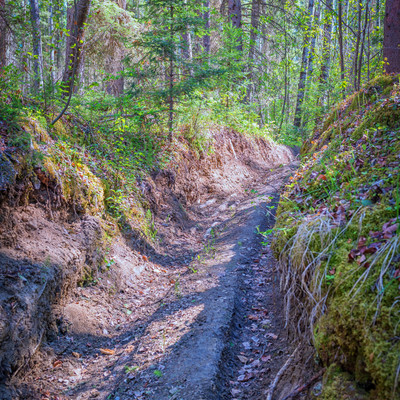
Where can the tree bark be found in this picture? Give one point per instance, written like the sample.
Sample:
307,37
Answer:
362,45
326,45
3,34
391,37
356,52
255,17
51,33
340,39
187,48
303,71
76,17
37,44
206,16
313,42
171,80
235,15
113,65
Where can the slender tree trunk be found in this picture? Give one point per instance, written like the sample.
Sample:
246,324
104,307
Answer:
391,37
340,39
76,20
114,66
187,48
51,33
286,78
326,53
37,44
378,9
313,42
235,15
255,17
171,79
354,68
303,71
61,36
362,45
3,34
326,45
206,16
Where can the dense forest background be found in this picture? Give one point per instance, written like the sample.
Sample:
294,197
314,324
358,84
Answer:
147,67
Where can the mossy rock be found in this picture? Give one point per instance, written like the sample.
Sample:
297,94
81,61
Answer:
340,385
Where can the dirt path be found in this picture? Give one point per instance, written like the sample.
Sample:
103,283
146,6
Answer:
207,327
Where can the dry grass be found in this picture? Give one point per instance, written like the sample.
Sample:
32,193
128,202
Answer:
302,279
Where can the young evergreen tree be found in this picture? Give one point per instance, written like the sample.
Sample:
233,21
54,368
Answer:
168,69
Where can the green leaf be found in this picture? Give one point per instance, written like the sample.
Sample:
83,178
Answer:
366,202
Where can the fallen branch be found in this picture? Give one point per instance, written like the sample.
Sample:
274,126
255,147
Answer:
280,373
299,389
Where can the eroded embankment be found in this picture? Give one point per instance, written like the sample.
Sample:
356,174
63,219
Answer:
56,233
339,244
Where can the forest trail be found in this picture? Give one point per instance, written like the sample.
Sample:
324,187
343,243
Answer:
210,328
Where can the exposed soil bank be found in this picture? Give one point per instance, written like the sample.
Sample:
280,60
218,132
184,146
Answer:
51,330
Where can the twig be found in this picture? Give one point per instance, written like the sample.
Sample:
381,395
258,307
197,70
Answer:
280,373
299,389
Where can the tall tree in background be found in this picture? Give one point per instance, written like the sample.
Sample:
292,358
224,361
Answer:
340,40
255,17
3,33
235,16
326,44
77,16
37,44
303,70
206,38
391,38
113,63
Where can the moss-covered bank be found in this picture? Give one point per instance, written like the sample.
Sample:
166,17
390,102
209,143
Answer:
339,243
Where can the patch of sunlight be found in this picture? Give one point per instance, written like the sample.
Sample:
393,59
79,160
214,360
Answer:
163,334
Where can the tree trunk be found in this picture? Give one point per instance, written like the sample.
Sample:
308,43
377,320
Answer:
114,66
341,52
356,52
171,80
37,44
255,17
76,21
235,15
187,48
51,33
391,37
313,41
326,45
303,71
362,45
206,16
3,34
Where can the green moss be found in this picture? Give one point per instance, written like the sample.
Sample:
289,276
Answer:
339,385
353,163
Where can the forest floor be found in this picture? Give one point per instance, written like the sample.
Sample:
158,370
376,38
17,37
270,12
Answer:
210,326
